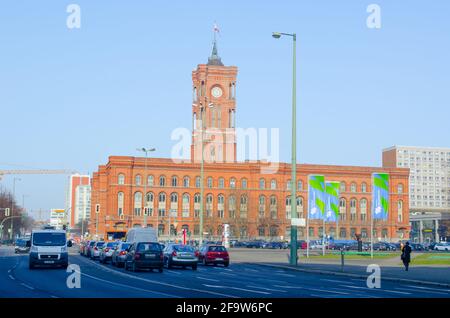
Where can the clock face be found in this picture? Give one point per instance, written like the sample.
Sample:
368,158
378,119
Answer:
216,92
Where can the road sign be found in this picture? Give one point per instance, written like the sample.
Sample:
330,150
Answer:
97,208
7,212
298,222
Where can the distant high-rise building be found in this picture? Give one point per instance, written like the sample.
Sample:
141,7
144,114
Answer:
429,188
78,199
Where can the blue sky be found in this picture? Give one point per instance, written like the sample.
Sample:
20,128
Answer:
70,98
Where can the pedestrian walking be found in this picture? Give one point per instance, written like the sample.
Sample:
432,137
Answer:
406,255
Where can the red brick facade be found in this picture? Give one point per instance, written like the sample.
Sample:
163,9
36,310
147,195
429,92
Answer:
236,193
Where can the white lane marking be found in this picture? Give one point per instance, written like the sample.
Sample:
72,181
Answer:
117,272
272,280
209,279
128,286
415,291
27,286
173,272
313,289
9,271
10,276
286,275
290,287
237,288
54,296
269,289
250,270
428,288
228,274
227,269
336,281
377,289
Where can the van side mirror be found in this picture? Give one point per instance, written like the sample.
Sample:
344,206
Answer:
69,243
28,244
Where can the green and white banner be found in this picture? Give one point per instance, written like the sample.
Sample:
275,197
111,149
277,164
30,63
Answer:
316,197
332,201
380,196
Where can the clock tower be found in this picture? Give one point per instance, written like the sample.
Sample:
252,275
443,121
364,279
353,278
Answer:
214,109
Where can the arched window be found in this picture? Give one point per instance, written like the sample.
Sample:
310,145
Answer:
400,188
343,209
363,208
149,205
288,185
174,198
120,199
209,182
160,229
186,182
221,183
342,233
363,187
244,207
137,203
162,181
261,231
262,184
197,205
220,206
273,207
121,178
400,211
288,207
244,183
363,233
150,181
300,207
299,185
232,206
162,204
273,184
174,181
353,187
138,179
273,230
197,182
342,187
185,207
262,206
232,183
353,209
209,205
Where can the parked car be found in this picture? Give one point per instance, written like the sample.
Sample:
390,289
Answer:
276,245
95,250
21,246
180,255
442,247
214,254
255,244
119,255
383,246
417,247
89,248
82,247
240,244
107,251
144,255
430,246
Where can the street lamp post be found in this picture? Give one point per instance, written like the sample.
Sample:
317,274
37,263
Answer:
11,237
146,151
293,252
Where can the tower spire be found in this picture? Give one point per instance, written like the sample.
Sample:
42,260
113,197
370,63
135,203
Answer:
214,59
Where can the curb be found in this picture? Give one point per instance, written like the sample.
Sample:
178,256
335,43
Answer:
322,272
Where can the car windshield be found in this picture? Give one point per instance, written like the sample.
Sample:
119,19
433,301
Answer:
111,244
49,239
100,244
183,248
217,249
152,247
125,246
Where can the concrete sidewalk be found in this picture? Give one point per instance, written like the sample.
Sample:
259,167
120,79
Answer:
391,268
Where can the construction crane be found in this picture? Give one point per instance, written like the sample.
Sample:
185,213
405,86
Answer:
37,171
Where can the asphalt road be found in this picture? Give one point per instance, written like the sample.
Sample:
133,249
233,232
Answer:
238,280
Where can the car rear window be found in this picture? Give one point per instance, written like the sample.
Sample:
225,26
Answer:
100,244
152,247
183,248
125,246
111,244
217,249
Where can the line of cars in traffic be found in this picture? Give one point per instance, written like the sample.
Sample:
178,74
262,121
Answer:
153,255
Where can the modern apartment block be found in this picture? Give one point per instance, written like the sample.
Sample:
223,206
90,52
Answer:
78,201
429,188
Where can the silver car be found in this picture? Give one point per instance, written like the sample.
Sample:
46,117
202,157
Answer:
119,254
107,252
180,255
96,249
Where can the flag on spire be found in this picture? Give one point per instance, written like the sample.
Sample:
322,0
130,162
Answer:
216,28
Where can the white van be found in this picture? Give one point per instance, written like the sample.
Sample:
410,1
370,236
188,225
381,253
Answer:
49,248
139,234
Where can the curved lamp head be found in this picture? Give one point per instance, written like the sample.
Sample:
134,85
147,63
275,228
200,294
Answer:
276,35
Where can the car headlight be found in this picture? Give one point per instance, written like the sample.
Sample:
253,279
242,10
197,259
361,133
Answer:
63,249
34,249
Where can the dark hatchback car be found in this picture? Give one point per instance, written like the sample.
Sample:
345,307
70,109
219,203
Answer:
214,254
147,255
22,246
